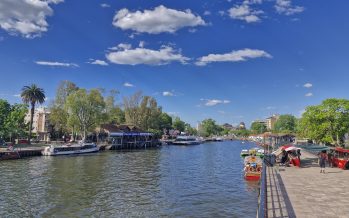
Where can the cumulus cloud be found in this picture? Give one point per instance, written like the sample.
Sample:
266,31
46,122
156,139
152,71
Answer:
25,17
127,84
245,12
99,62
309,94
56,64
213,102
158,20
129,56
167,93
234,56
308,85
121,46
285,7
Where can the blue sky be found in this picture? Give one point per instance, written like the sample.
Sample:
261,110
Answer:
227,60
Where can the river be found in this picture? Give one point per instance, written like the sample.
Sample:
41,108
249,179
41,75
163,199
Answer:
196,181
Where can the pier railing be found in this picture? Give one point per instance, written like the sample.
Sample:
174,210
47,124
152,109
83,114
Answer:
262,211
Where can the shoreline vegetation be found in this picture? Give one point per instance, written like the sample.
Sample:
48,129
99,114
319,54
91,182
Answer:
76,112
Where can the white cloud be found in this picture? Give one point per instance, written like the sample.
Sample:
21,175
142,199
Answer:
308,85
221,13
285,7
17,95
141,44
309,94
56,64
25,17
104,5
156,21
173,113
99,62
206,13
234,56
164,55
270,108
121,46
167,93
245,13
213,102
127,84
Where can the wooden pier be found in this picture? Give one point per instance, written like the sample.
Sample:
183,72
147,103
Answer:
305,192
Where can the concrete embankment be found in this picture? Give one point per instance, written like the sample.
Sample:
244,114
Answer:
305,192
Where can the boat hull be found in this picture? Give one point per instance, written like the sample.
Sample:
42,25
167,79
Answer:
185,143
76,152
252,176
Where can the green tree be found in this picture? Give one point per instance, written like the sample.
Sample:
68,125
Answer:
114,113
32,95
15,121
165,121
59,115
327,122
142,111
286,123
5,109
178,124
209,127
190,130
85,109
258,128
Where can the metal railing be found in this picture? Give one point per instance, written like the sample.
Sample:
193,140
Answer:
262,211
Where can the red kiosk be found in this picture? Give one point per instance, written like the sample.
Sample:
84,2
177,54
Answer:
340,158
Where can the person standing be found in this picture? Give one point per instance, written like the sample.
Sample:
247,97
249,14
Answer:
322,161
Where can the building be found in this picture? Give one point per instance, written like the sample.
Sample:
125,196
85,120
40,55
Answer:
270,121
228,126
41,123
264,122
242,125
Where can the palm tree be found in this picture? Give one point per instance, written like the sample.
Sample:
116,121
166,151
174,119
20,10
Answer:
32,95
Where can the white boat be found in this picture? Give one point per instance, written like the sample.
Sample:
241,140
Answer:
81,148
186,140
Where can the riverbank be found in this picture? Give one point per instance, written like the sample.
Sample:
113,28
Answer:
305,192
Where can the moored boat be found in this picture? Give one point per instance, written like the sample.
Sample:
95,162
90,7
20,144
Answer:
9,155
253,168
186,140
244,153
81,148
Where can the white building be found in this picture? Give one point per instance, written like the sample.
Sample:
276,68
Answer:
41,124
270,121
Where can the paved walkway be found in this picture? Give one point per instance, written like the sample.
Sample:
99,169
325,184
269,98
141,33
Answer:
305,192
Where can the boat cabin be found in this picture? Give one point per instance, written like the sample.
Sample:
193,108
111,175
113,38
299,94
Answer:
127,137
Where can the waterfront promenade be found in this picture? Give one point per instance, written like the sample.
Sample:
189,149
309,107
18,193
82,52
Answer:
305,192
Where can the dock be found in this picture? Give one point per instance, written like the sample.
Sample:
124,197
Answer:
305,192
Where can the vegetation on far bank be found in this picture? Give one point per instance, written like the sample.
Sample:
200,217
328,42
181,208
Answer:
77,111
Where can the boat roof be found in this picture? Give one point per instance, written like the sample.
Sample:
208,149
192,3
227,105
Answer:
253,159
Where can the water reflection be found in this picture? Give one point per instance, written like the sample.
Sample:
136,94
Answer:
196,181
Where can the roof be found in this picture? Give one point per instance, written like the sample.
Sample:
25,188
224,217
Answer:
120,128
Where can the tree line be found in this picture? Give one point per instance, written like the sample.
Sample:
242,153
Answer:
326,123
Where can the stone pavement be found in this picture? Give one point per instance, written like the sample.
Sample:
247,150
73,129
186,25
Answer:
305,192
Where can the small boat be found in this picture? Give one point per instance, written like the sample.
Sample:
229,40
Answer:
186,140
253,168
244,153
81,148
9,155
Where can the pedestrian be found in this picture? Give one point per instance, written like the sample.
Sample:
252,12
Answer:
322,161
330,159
